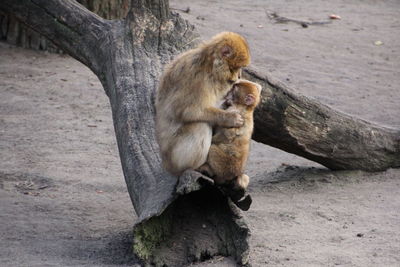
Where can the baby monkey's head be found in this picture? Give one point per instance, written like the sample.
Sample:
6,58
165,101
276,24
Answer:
244,93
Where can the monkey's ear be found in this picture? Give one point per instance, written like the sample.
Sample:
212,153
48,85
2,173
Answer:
226,51
249,100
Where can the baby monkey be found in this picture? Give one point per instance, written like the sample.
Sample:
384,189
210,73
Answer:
229,149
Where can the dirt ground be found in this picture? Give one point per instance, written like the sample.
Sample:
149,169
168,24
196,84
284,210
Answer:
63,200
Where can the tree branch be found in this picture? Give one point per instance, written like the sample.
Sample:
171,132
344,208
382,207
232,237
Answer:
159,8
73,28
304,127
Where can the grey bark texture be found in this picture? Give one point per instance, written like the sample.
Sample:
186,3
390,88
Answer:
187,219
128,56
16,33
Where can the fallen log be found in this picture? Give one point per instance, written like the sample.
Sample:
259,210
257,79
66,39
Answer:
305,127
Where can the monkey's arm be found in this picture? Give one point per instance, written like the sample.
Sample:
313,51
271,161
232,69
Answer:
212,115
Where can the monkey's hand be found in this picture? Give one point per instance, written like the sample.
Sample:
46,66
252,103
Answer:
231,119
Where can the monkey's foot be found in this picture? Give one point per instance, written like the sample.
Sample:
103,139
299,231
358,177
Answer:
245,203
237,195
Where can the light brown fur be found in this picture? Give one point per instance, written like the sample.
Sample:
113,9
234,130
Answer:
186,102
230,146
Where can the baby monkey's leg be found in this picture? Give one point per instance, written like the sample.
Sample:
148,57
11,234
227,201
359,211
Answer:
206,170
242,181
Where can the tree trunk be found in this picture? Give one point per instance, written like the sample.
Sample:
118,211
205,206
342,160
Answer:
16,33
107,9
128,57
187,219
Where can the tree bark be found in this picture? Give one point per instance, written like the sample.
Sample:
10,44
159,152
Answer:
185,220
16,33
128,56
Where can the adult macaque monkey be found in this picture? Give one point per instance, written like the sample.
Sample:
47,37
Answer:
186,102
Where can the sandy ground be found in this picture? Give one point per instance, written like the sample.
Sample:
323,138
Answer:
63,200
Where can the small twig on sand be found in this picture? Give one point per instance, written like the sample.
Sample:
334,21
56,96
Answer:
186,10
279,19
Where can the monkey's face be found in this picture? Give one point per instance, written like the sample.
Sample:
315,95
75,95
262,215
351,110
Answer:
235,74
228,53
246,93
225,72
234,56
235,63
